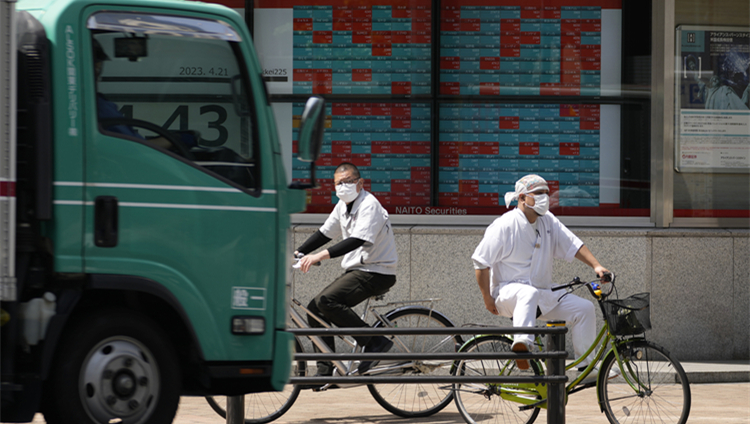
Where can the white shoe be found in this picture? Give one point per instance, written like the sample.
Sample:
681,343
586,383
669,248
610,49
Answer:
594,375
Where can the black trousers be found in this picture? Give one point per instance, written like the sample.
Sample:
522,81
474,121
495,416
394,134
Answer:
334,304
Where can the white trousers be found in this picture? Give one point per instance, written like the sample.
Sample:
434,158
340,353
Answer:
520,301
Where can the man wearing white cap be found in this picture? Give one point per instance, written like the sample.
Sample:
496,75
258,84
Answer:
513,265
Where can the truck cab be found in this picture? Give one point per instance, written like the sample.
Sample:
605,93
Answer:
152,213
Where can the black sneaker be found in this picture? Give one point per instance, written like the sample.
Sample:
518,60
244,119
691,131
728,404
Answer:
324,370
376,345
316,387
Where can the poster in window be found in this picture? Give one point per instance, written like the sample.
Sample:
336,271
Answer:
712,99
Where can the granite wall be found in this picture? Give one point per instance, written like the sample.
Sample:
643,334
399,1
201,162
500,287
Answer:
699,280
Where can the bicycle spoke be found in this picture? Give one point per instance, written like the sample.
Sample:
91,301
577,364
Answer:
659,393
416,400
483,402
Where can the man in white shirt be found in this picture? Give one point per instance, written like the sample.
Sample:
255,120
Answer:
513,266
370,259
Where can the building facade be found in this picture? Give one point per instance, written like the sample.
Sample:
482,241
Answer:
636,112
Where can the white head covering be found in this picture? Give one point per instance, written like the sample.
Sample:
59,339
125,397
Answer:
525,185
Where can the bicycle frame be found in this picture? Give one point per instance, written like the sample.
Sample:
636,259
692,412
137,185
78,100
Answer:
625,368
608,338
526,393
346,368
300,321
637,381
601,342
519,392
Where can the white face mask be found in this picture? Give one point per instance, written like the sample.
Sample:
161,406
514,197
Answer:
541,204
347,192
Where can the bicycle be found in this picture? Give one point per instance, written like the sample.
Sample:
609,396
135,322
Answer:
405,400
651,385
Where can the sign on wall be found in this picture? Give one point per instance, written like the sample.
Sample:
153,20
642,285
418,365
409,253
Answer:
712,99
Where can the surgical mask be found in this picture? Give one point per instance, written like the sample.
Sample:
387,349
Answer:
541,204
347,192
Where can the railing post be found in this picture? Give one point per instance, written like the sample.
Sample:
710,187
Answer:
236,409
556,366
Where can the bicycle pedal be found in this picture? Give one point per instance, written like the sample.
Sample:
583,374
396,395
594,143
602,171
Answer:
324,388
587,385
533,405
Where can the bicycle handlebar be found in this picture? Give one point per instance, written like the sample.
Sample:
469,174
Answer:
299,256
593,286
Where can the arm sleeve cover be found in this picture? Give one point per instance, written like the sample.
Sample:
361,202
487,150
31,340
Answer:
315,241
345,246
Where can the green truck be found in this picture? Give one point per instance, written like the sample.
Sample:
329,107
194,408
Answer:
144,210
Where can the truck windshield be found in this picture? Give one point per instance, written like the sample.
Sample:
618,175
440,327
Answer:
177,83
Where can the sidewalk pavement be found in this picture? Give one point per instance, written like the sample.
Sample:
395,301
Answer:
720,394
717,372
711,372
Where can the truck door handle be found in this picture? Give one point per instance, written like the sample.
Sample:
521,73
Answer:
105,221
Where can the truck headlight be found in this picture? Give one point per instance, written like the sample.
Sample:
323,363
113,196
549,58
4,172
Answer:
247,325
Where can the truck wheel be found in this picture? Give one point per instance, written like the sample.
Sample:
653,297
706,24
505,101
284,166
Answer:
113,366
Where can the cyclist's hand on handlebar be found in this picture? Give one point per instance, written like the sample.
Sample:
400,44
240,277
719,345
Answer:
306,261
603,274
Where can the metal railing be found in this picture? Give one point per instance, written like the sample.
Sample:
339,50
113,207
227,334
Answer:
554,355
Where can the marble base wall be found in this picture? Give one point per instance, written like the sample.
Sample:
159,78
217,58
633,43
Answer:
699,280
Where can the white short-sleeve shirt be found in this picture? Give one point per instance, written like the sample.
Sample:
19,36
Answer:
516,252
368,221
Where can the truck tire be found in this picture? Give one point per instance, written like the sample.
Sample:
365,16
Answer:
113,365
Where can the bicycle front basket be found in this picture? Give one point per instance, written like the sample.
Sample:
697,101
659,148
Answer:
628,316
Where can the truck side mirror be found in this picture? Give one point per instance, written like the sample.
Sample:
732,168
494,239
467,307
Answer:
238,99
310,139
311,130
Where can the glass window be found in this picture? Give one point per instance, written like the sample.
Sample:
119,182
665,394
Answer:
485,148
712,118
507,66
495,90
535,49
176,83
389,143
336,47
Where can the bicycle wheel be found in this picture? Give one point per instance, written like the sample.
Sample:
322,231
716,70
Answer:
482,403
416,400
661,393
268,406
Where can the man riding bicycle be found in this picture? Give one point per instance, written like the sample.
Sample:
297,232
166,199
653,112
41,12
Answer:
513,267
369,251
